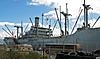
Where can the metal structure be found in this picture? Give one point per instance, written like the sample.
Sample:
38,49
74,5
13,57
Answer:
18,30
66,18
88,38
76,21
95,22
9,30
31,21
86,8
59,23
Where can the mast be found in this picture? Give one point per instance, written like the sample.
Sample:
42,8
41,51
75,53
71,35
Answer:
60,13
84,13
67,24
42,19
66,18
86,8
21,28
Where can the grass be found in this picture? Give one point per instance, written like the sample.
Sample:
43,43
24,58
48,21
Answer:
21,55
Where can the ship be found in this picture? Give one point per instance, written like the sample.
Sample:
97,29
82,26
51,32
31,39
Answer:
88,38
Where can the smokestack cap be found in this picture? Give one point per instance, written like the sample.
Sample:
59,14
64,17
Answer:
36,17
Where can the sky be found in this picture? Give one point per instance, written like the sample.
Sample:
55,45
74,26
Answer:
13,12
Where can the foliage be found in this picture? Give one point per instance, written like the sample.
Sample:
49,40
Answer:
20,55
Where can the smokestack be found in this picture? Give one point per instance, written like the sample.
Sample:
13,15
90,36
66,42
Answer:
36,21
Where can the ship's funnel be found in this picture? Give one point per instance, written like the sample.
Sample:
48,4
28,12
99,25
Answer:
36,21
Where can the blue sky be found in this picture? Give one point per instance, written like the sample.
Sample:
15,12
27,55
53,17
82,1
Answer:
12,12
17,10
